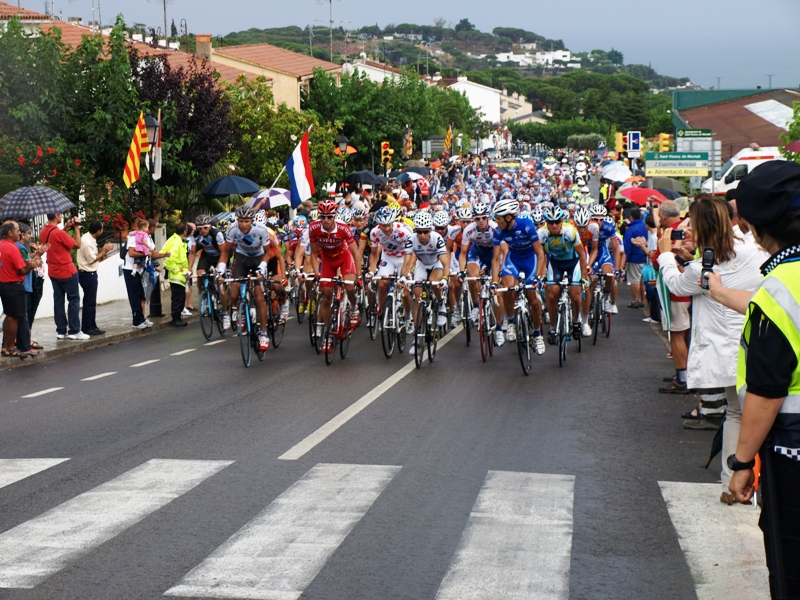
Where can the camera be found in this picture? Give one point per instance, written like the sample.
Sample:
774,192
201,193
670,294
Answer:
677,235
708,266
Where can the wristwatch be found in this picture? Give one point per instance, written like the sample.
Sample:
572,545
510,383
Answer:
734,464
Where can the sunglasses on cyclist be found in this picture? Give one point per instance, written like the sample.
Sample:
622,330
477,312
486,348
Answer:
326,217
423,231
481,218
204,227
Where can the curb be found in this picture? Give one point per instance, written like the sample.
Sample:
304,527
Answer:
93,344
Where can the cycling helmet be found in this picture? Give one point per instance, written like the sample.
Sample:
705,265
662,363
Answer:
245,212
481,209
581,217
359,213
506,206
327,207
385,216
261,218
223,224
571,207
202,220
537,214
553,214
585,190
610,219
597,210
345,215
441,219
300,221
273,221
568,194
313,215
423,220
464,213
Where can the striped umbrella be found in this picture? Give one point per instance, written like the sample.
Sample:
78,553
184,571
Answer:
32,201
270,198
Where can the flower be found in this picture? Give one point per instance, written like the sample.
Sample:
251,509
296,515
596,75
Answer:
105,218
39,152
51,150
55,172
21,160
36,161
77,162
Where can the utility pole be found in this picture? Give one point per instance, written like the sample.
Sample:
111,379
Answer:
166,34
718,80
769,76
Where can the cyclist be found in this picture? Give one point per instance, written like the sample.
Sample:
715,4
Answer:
524,255
566,255
602,260
208,240
589,232
429,260
477,250
389,241
333,244
455,234
253,248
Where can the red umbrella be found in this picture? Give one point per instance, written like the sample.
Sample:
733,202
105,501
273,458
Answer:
642,196
792,146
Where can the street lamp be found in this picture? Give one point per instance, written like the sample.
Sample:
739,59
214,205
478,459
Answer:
152,125
342,143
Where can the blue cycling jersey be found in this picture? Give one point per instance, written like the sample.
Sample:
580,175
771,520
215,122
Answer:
520,238
607,231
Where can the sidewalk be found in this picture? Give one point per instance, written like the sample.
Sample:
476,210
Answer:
114,318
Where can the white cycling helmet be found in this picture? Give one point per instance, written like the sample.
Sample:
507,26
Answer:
506,206
344,214
441,219
553,213
464,213
598,210
385,216
581,217
537,214
585,189
481,209
423,220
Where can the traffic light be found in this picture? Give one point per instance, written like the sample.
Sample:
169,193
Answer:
664,142
618,141
386,153
624,144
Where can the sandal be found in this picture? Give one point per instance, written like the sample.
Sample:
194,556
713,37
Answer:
13,353
692,414
36,346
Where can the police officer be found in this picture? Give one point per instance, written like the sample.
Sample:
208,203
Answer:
768,376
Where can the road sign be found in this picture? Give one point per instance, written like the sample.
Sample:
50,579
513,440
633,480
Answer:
693,133
634,141
601,144
676,164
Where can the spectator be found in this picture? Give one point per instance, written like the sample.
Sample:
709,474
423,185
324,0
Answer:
675,309
89,258
24,247
635,256
716,329
133,283
306,209
768,375
380,203
650,284
177,266
12,292
63,274
190,229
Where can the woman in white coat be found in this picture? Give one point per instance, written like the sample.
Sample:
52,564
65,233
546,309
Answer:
716,330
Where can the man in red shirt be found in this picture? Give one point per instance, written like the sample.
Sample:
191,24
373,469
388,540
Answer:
12,293
64,275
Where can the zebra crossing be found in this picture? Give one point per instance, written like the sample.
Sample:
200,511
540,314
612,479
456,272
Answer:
516,543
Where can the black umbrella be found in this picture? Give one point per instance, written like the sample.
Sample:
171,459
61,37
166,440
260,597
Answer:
670,194
231,184
419,170
668,183
363,177
394,174
32,201
716,444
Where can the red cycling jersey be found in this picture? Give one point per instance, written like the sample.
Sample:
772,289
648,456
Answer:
331,243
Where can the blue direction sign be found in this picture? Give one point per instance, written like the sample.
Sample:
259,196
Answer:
634,141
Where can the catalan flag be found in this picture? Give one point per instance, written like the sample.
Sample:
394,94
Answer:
408,144
448,140
139,145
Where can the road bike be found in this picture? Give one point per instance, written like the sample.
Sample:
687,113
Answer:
247,319
210,307
427,332
296,296
393,319
312,307
487,322
372,310
564,324
337,330
599,317
466,309
275,327
522,312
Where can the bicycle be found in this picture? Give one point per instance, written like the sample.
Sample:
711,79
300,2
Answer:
426,332
210,309
599,317
372,311
295,296
525,343
466,310
564,323
487,322
393,319
312,307
275,327
338,328
247,319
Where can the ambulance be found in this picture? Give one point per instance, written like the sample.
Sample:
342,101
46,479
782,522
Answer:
744,161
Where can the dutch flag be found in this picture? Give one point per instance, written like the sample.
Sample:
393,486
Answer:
299,169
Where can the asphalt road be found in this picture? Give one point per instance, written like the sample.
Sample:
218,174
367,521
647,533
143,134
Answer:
449,427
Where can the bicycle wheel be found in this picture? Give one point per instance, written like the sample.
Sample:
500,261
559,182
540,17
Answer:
523,342
206,315
607,324
344,343
255,327
331,329
388,327
401,328
419,336
312,321
372,317
465,310
219,315
432,333
595,312
243,331
276,329
482,331
563,334
491,326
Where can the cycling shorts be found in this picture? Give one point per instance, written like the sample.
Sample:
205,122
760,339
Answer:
422,272
244,265
480,256
331,265
207,262
389,265
556,269
514,265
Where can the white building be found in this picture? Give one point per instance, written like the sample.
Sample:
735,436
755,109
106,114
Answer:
547,58
377,72
482,98
523,60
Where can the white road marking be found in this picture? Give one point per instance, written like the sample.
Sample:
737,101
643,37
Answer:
723,545
318,436
183,352
517,542
36,549
214,343
280,551
15,469
43,392
99,376
147,362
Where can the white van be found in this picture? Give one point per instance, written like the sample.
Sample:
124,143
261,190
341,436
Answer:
744,161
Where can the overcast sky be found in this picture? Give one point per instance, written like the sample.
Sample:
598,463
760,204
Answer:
740,41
